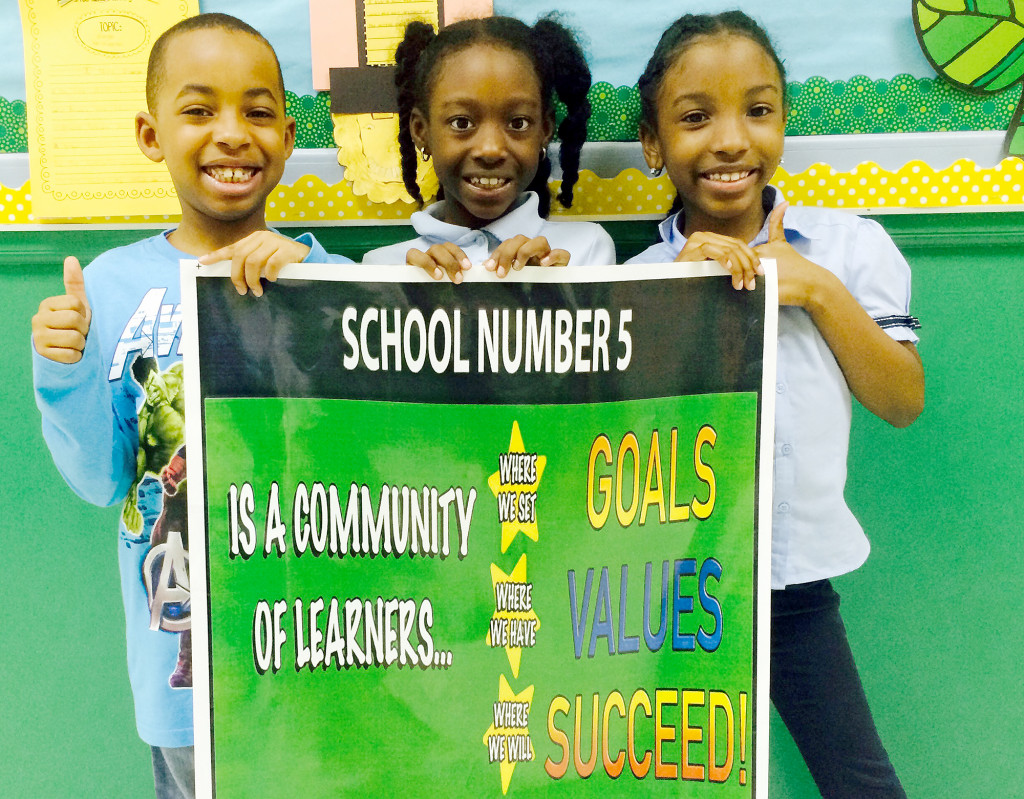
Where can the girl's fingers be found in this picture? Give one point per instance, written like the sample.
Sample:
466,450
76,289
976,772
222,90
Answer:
776,229
734,255
504,255
532,251
419,258
556,258
743,268
446,257
454,261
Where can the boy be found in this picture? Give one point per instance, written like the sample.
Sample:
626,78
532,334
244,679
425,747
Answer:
107,363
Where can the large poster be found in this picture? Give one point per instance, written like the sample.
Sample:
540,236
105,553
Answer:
501,538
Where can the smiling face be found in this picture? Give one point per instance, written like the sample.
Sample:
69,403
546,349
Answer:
484,126
719,132
219,123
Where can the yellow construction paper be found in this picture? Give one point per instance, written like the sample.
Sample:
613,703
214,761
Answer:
85,73
368,143
368,149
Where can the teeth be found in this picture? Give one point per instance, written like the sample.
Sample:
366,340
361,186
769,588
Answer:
230,174
727,177
489,183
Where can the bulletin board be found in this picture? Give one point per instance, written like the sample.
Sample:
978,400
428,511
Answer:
914,108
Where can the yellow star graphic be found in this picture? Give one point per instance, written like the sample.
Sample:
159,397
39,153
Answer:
512,744
518,625
522,517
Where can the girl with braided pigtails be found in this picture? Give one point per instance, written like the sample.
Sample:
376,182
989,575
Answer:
478,98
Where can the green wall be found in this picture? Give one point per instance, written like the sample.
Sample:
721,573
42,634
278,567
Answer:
932,616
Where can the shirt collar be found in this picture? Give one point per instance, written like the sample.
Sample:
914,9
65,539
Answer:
771,197
522,218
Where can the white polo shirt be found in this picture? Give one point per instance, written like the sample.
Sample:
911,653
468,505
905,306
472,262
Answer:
587,242
814,534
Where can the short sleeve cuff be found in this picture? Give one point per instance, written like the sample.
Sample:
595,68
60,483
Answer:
899,326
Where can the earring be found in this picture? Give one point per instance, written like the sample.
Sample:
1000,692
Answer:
425,156
543,153
656,171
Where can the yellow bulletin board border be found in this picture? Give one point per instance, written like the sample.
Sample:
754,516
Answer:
868,188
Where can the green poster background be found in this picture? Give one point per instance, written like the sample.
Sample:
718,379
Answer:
412,731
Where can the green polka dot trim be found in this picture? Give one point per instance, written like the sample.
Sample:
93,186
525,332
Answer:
904,104
13,126
614,112
312,113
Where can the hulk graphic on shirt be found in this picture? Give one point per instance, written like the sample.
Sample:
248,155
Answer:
158,498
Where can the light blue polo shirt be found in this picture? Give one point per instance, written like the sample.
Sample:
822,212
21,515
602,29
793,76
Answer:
814,534
587,242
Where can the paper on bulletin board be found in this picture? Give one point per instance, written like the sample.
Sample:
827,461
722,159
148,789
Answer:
85,70
353,46
336,28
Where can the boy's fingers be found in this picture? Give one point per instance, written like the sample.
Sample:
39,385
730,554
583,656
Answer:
74,284
275,264
243,265
59,329
215,257
254,260
74,279
71,319
238,277
284,252
59,354
66,339
250,269
263,253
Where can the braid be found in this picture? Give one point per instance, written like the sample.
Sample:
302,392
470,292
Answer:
570,78
418,35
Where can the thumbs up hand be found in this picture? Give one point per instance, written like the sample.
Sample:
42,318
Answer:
62,323
799,279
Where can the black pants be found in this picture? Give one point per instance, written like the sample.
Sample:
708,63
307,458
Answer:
818,694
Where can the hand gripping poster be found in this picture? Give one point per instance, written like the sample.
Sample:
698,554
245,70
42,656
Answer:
503,538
